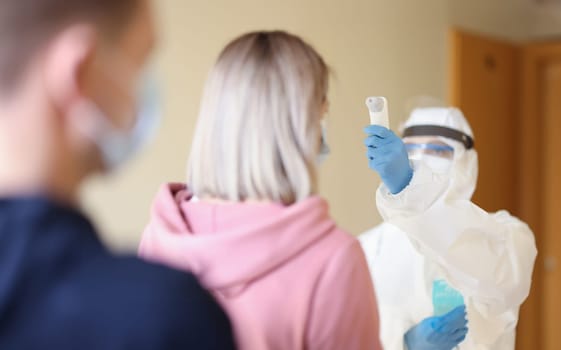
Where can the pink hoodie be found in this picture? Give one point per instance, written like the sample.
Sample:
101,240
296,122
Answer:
287,276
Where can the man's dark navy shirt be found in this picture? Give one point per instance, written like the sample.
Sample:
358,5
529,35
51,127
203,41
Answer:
61,289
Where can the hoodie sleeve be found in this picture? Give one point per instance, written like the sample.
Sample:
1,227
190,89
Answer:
344,313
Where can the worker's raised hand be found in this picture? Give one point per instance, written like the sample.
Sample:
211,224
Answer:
439,333
388,157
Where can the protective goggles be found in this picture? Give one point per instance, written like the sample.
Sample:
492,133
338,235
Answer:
433,130
418,150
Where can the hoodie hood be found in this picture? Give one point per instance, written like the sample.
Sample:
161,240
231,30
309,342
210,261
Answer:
228,245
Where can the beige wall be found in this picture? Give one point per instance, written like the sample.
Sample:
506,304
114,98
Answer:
546,22
507,19
515,20
395,48
388,47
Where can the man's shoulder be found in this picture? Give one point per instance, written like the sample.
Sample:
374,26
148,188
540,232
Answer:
132,278
152,301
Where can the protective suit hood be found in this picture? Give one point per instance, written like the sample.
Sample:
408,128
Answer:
463,176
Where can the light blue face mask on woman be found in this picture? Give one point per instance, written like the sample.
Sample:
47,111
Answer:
324,150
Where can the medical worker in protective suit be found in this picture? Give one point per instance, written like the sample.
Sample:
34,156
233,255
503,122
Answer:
448,274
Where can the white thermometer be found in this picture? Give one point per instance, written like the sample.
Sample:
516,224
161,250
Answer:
378,108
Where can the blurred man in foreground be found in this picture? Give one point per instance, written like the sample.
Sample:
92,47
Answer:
69,72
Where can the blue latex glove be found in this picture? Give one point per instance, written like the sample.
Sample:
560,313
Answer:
388,157
439,333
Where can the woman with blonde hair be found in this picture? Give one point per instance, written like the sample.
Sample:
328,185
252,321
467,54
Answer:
249,223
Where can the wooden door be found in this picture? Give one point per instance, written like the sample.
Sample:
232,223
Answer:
484,81
540,197
501,88
512,96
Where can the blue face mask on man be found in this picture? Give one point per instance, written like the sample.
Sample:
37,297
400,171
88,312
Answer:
117,146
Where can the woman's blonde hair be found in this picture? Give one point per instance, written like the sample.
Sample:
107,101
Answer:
258,134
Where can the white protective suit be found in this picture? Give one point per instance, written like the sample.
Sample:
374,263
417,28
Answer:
433,231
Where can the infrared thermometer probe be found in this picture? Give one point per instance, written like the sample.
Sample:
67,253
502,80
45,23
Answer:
378,108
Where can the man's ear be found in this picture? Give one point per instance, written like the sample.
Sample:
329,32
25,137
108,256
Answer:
66,61
325,107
